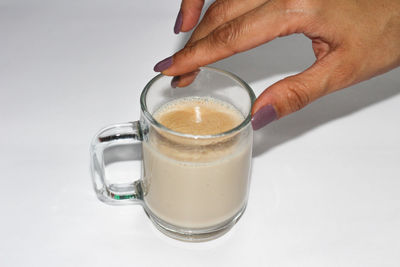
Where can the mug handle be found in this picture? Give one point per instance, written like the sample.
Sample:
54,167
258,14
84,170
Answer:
114,135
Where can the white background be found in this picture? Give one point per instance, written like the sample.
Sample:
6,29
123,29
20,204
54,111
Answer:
325,187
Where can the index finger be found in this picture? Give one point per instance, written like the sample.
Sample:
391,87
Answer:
254,28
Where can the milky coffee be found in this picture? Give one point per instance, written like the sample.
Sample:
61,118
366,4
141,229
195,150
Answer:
196,183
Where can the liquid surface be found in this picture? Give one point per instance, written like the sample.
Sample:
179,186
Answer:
198,116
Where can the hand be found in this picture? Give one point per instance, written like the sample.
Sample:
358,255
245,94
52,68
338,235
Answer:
353,40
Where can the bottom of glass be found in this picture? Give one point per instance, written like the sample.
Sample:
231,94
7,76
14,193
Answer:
194,235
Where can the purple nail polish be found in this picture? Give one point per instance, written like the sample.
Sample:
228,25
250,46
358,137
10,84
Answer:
178,23
175,82
263,116
163,64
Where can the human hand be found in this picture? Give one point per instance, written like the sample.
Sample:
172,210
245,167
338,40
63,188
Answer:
353,40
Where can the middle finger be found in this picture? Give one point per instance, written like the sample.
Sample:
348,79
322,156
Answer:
220,12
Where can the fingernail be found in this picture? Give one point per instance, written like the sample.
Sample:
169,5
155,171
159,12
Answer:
263,116
178,23
175,82
163,64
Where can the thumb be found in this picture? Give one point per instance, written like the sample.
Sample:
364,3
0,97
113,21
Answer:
290,94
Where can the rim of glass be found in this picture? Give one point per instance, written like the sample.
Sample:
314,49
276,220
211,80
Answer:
244,123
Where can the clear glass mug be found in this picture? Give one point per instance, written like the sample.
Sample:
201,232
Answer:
193,187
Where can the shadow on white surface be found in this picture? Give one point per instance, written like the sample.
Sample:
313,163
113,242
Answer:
329,108
288,55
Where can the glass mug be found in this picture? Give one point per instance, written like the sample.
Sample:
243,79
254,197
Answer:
193,187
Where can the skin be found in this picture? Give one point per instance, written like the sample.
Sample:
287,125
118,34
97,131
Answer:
353,40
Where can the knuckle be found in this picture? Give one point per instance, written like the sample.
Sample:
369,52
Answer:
188,51
300,7
295,4
215,14
188,54
226,35
297,95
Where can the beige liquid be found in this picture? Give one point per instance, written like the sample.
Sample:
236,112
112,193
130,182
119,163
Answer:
197,183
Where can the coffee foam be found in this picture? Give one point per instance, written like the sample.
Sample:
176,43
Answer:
198,116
